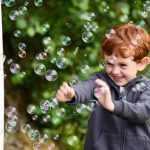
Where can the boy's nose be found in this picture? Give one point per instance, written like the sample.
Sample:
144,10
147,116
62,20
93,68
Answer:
115,71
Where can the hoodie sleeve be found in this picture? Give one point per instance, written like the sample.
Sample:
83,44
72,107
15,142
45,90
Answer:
84,90
138,112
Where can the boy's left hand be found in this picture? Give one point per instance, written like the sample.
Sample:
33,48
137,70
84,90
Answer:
105,99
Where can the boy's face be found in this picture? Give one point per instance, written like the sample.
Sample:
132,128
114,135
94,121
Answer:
122,70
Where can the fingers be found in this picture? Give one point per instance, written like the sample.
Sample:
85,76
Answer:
65,93
104,86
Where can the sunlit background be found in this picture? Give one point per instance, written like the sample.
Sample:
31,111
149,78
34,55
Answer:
45,43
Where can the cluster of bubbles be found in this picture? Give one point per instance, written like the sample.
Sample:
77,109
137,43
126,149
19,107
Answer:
146,9
12,121
22,52
87,35
139,87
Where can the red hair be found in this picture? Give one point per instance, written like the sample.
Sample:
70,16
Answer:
127,40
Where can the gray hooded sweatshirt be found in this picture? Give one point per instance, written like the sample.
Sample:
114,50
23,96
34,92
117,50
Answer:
128,127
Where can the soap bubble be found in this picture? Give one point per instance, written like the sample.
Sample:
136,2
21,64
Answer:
39,69
53,103
90,16
22,53
45,27
48,49
51,146
46,40
88,26
56,137
60,112
45,106
35,117
11,111
140,24
53,60
139,87
43,138
13,121
14,15
80,108
25,128
51,75
14,68
9,3
46,118
38,3
22,10
110,33
72,140
60,51
98,93
22,46
9,61
34,134
62,63
26,3
37,146
91,105
87,37
31,109
43,55
17,33
84,68
66,40
10,128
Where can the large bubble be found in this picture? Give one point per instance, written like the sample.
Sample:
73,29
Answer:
39,69
9,3
14,15
62,63
87,37
51,75
14,68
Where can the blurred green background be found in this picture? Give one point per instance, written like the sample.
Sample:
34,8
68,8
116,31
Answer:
37,20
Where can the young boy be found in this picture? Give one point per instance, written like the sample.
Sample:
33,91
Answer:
120,121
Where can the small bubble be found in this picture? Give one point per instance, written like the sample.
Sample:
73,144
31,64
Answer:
14,15
11,111
88,26
84,68
25,128
46,40
38,3
43,138
45,27
98,93
60,51
14,68
53,60
43,55
91,105
37,146
31,109
22,10
22,54
72,140
110,33
87,37
39,69
45,106
66,40
11,129
46,118
62,63
9,3
51,146
22,46
17,33
9,61
56,137
34,134
13,121
35,117
89,16
26,4
51,75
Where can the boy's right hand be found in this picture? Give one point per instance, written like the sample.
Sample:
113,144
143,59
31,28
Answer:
65,93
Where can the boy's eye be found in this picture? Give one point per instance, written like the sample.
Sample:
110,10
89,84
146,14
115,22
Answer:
110,64
123,65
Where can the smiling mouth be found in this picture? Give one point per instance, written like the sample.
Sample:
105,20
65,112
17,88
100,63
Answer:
117,78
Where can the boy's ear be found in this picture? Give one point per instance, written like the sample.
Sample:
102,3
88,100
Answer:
143,63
